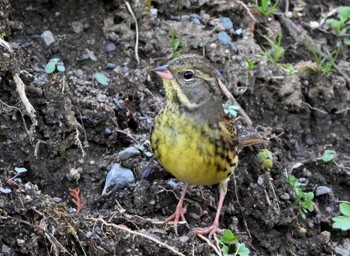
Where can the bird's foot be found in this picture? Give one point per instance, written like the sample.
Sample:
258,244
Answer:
179,214
211,230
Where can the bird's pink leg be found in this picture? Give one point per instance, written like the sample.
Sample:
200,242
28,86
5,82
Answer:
179,212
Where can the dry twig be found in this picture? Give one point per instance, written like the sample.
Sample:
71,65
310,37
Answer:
137,32
132,232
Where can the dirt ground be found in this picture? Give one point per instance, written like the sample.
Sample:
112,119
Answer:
80,126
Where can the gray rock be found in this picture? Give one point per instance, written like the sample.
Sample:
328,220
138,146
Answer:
110,47
322,190
226,22
111,65
118,177
77,26
285,196
128,153
57,200
224,38
48,37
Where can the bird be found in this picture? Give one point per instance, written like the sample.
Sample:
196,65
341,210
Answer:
192,138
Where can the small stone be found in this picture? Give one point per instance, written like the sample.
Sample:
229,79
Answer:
118,177
261,181
77,26
324,237
78,73
107,132
128,153
154,12
111,65
110,47
74,174
226,22
172,184
184,239
322,190
224,38
285,196
314,24
20,242
289,14
101,98
48,37
196,21
57,200
88,234
125,70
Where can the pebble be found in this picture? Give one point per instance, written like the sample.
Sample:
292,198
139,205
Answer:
125,69
48,37
57,200
77,26
101,98
322,190
226,22
154,12
88,234
261,181
118,177
78,73
184,239
224,38
172,184
111,65
285,196
310,140
128,153
324,237
110,47
107,132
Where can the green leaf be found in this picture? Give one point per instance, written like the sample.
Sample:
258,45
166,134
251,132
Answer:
328,155
228,237
60,66
242,250
345,209
101,78
341,222
224,250
50,67
346,40
344,12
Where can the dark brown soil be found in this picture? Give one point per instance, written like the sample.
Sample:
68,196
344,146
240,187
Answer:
83,125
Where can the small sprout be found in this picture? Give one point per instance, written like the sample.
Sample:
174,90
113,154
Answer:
53,64
5,190
328,156
176,44
342,221
277,51
249,63
20,169
227,239
230,109
265,159
101,78
341,25
266,9
303,199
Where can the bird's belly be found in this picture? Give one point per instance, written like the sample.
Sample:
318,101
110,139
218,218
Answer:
190,152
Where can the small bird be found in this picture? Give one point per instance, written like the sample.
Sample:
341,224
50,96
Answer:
192,138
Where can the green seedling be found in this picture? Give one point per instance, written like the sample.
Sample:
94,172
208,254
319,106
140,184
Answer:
328,156
54,63
229,239
230,109
342,221
265,158
277,51
302,199
2,35
341,25
249,63
325,65
266,8
144,150
289,68
176,44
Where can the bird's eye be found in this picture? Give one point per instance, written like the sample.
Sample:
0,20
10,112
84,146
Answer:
188,75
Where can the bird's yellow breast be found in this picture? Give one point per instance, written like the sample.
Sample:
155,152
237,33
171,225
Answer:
197,154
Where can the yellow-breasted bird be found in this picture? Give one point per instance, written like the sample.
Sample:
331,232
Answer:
192,138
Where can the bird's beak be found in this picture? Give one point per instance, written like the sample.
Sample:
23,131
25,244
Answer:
163,72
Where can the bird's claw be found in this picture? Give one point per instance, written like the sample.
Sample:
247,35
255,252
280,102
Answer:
179,214
211,230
